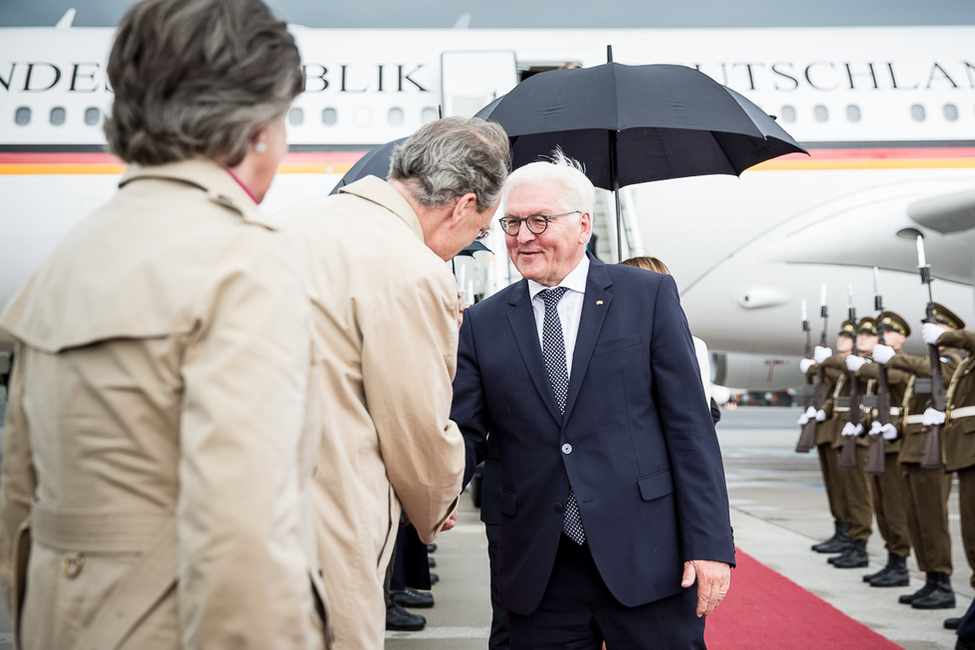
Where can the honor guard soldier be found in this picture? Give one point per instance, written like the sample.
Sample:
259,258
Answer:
853,482
890,486
927,488
827,434
958,449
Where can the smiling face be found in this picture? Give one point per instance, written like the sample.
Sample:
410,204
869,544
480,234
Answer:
549,257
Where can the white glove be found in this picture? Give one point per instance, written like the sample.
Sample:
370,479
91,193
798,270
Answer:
810,413
875,428
933,416
889,431
850,429
883,353
821,353
854,363
930,333
805,365
820,415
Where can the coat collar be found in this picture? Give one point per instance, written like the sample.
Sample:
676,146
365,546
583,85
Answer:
594,310
220,186
378,191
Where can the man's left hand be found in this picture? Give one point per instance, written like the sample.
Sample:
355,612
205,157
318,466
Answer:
450,522
713,582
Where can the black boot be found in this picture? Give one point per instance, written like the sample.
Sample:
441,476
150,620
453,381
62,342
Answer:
870,577
952,623
923,592
838,543
894,575
853,557
941,597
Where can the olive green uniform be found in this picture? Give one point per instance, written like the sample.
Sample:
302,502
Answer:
826,433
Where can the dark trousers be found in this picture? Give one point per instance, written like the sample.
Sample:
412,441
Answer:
578,612
499,617
411,568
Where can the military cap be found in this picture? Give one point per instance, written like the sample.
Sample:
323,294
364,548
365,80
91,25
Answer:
867,325
942,314
849,328
894,322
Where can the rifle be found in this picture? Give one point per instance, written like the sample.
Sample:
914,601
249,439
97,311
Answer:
848,455
932,457
807,438
876,462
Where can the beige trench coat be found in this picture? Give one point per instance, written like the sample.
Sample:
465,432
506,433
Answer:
157,445
386,319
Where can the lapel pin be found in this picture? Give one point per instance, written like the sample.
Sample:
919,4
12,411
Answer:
599,302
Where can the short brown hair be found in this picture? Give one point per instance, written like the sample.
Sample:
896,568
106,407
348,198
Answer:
648,263
198,78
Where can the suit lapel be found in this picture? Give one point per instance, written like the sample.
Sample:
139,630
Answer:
594,309
523,327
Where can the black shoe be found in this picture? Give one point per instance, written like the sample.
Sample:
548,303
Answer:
432,548
941,597
410,597
854,557
952,623
398,618
432,562
434,578
838,543
926,590
870,577
894,574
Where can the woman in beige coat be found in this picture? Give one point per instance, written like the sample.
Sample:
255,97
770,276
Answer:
157,448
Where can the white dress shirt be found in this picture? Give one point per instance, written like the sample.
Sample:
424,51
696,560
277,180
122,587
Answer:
570,307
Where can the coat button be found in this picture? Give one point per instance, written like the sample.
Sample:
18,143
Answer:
558,507
566,448
71,565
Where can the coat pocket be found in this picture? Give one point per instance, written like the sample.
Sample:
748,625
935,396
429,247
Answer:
617,344
656,485
509,503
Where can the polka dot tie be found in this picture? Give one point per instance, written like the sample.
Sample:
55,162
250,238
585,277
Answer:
553,351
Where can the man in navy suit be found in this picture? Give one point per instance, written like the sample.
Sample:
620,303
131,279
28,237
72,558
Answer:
613,500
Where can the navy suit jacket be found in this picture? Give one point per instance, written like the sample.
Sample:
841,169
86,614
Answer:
636,442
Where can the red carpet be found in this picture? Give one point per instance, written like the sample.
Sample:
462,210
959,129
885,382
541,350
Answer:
764,610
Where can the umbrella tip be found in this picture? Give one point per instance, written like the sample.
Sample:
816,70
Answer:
609,54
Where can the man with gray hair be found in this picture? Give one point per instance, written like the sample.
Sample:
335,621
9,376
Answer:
385,323
613,505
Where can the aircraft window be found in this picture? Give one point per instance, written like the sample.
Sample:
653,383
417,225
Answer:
296,116
820,113
429,114
57,116
917,112
951,112
22,116
329,117
853,113
92,115
363,116
395,117
788,114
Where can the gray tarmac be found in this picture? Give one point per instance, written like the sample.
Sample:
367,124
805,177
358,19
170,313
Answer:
778,509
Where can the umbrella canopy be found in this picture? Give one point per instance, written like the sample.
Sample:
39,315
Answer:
633,124
374,163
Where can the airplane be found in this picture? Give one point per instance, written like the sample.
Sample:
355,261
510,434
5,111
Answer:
887,114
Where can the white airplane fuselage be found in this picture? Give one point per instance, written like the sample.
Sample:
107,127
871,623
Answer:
887,114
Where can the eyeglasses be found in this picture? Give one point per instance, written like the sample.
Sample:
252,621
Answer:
537,223
482,234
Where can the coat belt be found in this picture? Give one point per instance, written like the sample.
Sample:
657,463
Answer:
94,532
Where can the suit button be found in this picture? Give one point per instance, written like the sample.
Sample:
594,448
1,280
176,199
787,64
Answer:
558,507
566,448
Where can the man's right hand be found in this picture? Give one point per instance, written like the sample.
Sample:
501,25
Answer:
822,353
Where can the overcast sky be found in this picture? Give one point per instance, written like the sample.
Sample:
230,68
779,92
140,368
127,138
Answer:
561,13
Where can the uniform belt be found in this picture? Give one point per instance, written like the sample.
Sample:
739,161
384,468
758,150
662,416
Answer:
841,409
917,418
963,412
96,531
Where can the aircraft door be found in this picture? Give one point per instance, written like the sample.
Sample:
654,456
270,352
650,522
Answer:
471,80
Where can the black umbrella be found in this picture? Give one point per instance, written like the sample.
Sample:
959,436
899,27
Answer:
633,124
374,163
